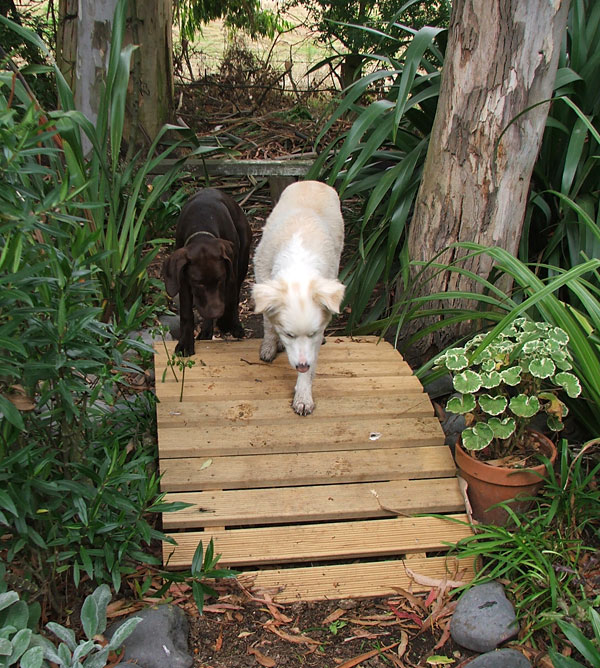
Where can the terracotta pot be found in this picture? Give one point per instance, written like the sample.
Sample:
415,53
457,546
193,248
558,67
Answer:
488,485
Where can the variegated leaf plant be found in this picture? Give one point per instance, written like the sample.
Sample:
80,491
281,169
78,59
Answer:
502,387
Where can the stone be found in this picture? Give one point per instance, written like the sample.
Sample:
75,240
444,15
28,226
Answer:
440,387
484,618
453,426
172,322
500,658
160,640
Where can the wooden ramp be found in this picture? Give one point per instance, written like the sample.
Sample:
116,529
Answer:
320,506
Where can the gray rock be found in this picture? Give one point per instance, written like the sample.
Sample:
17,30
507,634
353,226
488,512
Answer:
440,387
159,640
500,658
484,618
172,322
453,426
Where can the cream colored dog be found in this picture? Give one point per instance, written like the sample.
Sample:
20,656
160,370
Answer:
296,267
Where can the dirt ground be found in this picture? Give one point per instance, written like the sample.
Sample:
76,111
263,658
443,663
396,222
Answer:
238,632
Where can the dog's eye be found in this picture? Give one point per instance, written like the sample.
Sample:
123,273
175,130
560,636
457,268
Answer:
289,335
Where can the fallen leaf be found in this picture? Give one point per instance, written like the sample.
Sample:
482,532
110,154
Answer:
395,660
406,615
364,657
278,616
415,601
445,635
221,607
433,582
336,614
436,660
261,658
368,635
433,593
403,643
206,464
287,636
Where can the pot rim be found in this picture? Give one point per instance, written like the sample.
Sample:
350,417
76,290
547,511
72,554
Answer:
511,476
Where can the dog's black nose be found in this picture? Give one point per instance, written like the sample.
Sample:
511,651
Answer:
302,368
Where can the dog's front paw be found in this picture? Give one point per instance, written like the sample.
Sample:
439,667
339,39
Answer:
237,331
268,350
303,405
184,349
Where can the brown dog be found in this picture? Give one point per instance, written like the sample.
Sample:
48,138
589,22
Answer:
208,267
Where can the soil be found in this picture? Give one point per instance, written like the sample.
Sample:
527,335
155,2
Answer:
239,632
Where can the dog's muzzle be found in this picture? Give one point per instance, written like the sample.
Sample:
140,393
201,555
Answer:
302,368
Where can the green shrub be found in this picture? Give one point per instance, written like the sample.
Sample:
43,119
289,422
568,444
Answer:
111,197
20,645
541,556
589,650
77,487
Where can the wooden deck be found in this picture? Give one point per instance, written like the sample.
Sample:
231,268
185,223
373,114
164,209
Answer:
321,506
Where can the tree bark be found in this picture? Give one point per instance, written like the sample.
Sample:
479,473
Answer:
83,48
501,59
152,73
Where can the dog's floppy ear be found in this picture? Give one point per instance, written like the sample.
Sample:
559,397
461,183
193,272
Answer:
172,267
268,297
329,293
228,254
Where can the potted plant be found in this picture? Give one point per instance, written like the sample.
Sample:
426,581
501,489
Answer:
501,390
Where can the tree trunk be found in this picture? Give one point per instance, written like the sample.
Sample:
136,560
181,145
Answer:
501,58
152,68
85,28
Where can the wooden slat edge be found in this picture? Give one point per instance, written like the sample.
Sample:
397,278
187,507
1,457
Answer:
320,542
359,580
251,507
306,468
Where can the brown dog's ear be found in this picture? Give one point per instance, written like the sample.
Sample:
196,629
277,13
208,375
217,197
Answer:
329,293
228,254
172,267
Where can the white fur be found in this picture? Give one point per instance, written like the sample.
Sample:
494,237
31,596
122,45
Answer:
296,266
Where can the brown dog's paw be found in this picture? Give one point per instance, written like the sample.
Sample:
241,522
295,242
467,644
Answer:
184,350
238,332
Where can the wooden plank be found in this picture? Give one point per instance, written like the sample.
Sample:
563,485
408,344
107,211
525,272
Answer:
307,468
195,439
175,413
262,371
283,388
319,542
339,349
249,507
228,167
354,580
